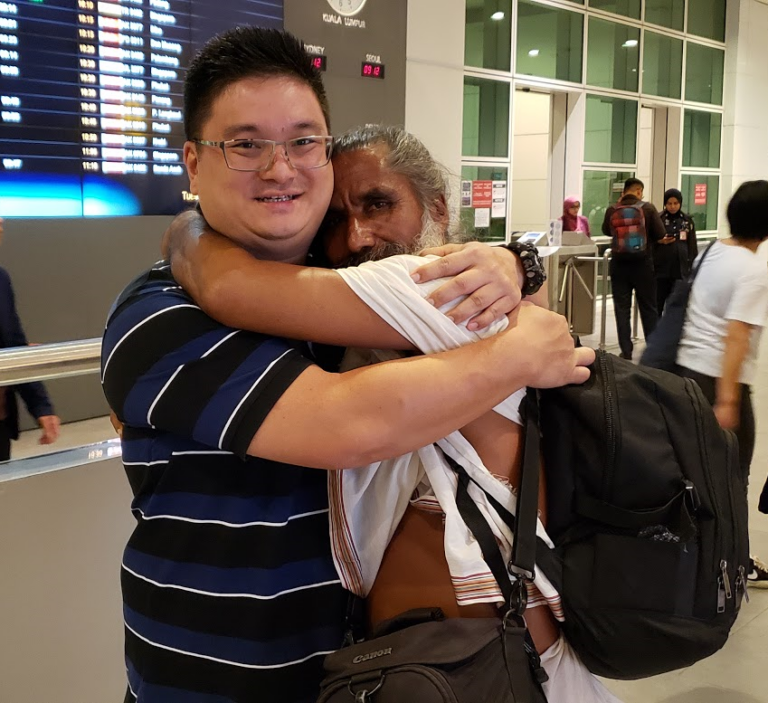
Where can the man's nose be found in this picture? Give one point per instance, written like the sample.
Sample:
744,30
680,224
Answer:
280,170
359,236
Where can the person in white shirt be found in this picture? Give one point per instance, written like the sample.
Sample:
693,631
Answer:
726,315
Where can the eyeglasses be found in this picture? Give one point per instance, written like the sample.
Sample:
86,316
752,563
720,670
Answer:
259,154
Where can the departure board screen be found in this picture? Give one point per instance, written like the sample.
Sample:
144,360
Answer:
91,120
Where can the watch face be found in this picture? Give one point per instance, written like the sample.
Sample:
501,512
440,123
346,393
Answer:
347,7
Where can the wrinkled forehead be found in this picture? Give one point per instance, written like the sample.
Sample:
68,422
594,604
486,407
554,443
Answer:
365,171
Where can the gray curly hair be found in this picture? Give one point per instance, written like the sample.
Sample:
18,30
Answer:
407,157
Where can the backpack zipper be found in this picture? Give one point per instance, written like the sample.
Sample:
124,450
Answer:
741,584
610,427
691,388
733,457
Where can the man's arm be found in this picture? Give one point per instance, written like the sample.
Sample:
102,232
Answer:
479,273
178,372
279,299
728,390
654,227
306,303
607,221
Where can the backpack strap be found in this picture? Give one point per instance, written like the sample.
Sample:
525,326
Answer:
523,524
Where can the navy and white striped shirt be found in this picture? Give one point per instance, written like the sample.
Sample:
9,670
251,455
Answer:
229,588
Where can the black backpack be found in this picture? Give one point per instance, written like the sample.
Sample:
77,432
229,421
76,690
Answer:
648,513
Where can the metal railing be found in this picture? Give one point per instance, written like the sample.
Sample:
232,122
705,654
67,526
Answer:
606,277
46,361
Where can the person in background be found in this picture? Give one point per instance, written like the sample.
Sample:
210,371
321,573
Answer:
34,395
572,221
674,254
634,272
727,311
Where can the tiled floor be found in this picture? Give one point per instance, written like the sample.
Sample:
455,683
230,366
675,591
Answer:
737,674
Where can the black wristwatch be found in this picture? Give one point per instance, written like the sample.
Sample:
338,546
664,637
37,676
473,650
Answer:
533,269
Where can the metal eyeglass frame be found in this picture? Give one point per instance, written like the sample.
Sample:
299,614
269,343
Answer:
229,142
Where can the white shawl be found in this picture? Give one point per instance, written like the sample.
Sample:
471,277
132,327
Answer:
367,504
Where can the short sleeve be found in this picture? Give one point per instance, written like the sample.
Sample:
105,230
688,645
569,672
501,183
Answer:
166,365
749,303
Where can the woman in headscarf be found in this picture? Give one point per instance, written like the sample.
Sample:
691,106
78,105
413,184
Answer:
572,221
673,255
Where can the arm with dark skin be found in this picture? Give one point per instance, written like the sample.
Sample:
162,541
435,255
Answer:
300,302
273,298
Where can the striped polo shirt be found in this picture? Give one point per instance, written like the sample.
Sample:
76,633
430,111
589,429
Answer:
229,589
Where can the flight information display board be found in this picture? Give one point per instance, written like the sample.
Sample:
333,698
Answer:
91,119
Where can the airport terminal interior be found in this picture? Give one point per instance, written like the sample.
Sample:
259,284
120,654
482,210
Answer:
524,102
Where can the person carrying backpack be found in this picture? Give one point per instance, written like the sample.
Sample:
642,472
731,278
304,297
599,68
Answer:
632,224
727,312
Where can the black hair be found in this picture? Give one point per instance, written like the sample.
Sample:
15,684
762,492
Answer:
245,52
632,182
748,211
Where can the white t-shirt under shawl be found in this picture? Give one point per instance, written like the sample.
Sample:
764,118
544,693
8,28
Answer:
732,285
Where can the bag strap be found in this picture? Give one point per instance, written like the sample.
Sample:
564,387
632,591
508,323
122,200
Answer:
696,270
523,524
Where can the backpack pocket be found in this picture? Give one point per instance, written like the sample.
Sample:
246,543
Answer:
640,573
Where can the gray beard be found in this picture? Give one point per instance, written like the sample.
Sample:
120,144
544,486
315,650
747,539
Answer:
433,235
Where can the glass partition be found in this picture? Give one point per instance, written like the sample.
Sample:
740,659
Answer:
488,34
486,118
702,133
611,130
704,74
601,189
706,18
662,65
549,42
483,216
666,13
613,55
700,199
628,8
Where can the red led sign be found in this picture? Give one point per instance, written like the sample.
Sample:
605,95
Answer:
372,70
319,62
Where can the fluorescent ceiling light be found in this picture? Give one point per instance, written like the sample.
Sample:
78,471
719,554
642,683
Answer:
533,52
497,16
630,43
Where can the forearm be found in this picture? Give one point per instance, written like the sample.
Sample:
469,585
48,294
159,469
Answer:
728,389
389,409
279,299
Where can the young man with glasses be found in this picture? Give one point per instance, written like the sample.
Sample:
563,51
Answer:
229,588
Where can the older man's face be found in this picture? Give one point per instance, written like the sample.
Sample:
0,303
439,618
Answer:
374,213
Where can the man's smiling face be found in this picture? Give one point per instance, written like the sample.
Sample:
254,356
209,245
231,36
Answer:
276,212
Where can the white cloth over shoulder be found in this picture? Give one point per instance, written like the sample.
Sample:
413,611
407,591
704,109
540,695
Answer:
367,504
569,679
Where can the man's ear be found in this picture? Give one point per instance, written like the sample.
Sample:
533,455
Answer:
440,211
191,161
